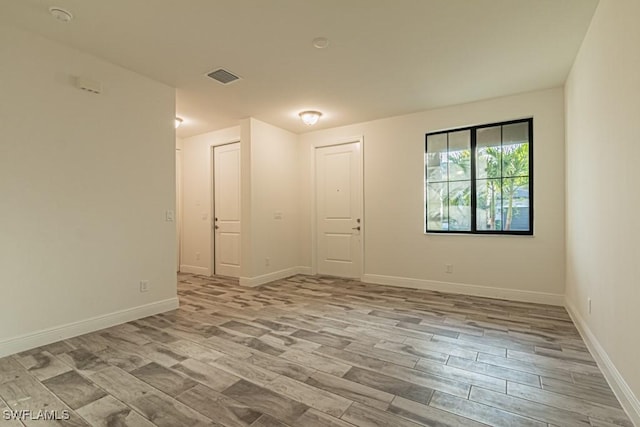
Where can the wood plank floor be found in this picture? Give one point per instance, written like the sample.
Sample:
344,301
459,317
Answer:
316,351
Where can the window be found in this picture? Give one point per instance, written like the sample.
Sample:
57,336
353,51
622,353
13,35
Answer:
479,179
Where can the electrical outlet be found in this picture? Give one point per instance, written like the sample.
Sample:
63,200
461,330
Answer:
589,305
197,256
449,268
144,285
267,262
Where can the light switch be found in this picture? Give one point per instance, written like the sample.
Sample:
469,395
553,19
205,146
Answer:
169,216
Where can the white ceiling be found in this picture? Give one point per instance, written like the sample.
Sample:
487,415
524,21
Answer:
385,58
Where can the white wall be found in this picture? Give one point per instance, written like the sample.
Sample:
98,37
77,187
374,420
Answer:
196,198
396,249
603,199
85,181
274,213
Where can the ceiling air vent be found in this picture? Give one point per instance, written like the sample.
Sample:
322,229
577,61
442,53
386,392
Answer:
223,76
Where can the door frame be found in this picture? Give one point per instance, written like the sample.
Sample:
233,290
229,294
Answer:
212,207
314,199
178,215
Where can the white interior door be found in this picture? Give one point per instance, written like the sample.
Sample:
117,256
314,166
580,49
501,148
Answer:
226,216
338,204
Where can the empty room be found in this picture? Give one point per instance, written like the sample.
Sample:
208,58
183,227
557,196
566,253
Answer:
348,213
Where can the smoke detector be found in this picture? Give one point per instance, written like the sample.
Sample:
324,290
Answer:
60,14
320,42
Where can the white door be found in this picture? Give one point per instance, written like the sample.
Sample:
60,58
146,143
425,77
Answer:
338,204
226,216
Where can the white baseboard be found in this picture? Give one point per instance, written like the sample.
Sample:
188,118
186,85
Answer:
305,271
192,269
276,275
466,289
70,330
629,401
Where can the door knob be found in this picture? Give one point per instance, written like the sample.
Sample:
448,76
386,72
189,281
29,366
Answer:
216,227
356,228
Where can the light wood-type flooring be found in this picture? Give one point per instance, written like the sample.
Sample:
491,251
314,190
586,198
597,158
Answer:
318,352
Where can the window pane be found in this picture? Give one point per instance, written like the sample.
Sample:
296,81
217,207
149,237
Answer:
460,206
515,150
515,133
488,204
515,160
437,210
515,205
436,158
459,156
489,152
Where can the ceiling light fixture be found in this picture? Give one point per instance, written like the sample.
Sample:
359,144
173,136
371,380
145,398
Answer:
310,118
61,14
178,122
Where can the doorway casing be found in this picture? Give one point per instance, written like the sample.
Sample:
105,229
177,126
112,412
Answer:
359,140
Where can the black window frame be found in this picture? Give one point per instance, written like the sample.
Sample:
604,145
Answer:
473,134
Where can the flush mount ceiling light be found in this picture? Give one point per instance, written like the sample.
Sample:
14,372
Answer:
178,122
310,118
61,14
